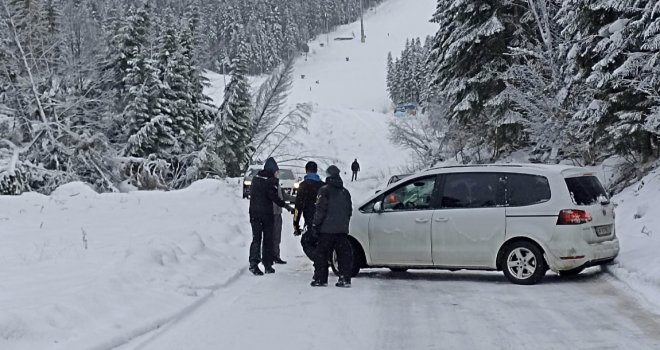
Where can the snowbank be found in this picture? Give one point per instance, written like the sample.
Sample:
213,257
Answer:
82,270
638,228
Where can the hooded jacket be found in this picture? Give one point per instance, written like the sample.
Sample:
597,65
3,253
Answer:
263,194
334,207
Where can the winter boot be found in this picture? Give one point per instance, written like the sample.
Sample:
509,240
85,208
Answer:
256,271
344,282
317,283
269,269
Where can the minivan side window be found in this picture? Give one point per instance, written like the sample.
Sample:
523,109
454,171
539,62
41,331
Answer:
473,190
524,189
415,195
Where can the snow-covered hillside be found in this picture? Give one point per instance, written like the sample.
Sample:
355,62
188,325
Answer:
359,83
352,109
81,270
638,228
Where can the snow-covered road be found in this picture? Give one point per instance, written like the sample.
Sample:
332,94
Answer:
413,310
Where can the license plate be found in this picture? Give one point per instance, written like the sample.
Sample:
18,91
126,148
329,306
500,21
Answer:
603,230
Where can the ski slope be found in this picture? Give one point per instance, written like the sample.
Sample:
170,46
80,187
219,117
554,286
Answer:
351,107
359,83
352,110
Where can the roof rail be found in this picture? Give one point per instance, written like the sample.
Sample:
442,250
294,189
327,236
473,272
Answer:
475,166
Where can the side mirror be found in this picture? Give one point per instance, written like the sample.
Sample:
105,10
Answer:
378,207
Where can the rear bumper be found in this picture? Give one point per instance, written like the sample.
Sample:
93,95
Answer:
568,258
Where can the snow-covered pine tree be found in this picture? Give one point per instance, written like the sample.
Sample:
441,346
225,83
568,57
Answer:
426,95
639,72
469,52
149,126
389,80
539,92
130,35
608,39
235,118
648,78
199,102
177,90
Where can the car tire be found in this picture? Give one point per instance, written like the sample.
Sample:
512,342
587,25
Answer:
398,269
356,258
523,263
571,272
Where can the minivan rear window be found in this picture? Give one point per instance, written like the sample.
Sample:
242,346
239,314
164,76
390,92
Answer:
585,190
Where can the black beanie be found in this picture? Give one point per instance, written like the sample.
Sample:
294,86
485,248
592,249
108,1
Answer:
332,171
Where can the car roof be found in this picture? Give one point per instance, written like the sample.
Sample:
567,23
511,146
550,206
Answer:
508,167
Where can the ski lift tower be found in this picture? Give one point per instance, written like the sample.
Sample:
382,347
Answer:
362,22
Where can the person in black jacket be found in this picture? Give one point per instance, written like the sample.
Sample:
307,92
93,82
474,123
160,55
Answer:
355,167
306,207
263,195
331,220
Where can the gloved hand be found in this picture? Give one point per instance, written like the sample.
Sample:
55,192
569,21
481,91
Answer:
289,209
296,231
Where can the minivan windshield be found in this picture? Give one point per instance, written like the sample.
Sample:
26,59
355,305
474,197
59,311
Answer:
585,190
286,174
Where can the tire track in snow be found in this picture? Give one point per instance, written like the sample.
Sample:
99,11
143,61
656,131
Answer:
162,325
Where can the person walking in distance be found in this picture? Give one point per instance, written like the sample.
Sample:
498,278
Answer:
331,221
305,207
355,167
263,195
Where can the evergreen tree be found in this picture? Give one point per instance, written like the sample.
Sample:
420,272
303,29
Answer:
390,76
131,34
468,55
611,36
235,119
176,89
150,127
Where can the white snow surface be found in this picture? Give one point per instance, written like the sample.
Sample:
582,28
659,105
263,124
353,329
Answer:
638,228
166,270
82,270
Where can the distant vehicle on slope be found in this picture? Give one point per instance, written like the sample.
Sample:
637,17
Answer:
405,110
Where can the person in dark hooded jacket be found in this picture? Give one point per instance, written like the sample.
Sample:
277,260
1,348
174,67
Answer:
306,208
331,221
263,194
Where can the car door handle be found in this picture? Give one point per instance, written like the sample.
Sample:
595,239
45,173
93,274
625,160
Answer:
441,219
421,221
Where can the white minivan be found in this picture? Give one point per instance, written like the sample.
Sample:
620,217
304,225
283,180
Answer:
521,219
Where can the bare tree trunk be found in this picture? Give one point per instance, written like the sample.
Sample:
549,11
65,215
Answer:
645,146
539,9
17,41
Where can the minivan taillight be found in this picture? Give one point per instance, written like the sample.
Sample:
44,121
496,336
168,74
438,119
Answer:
573,217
